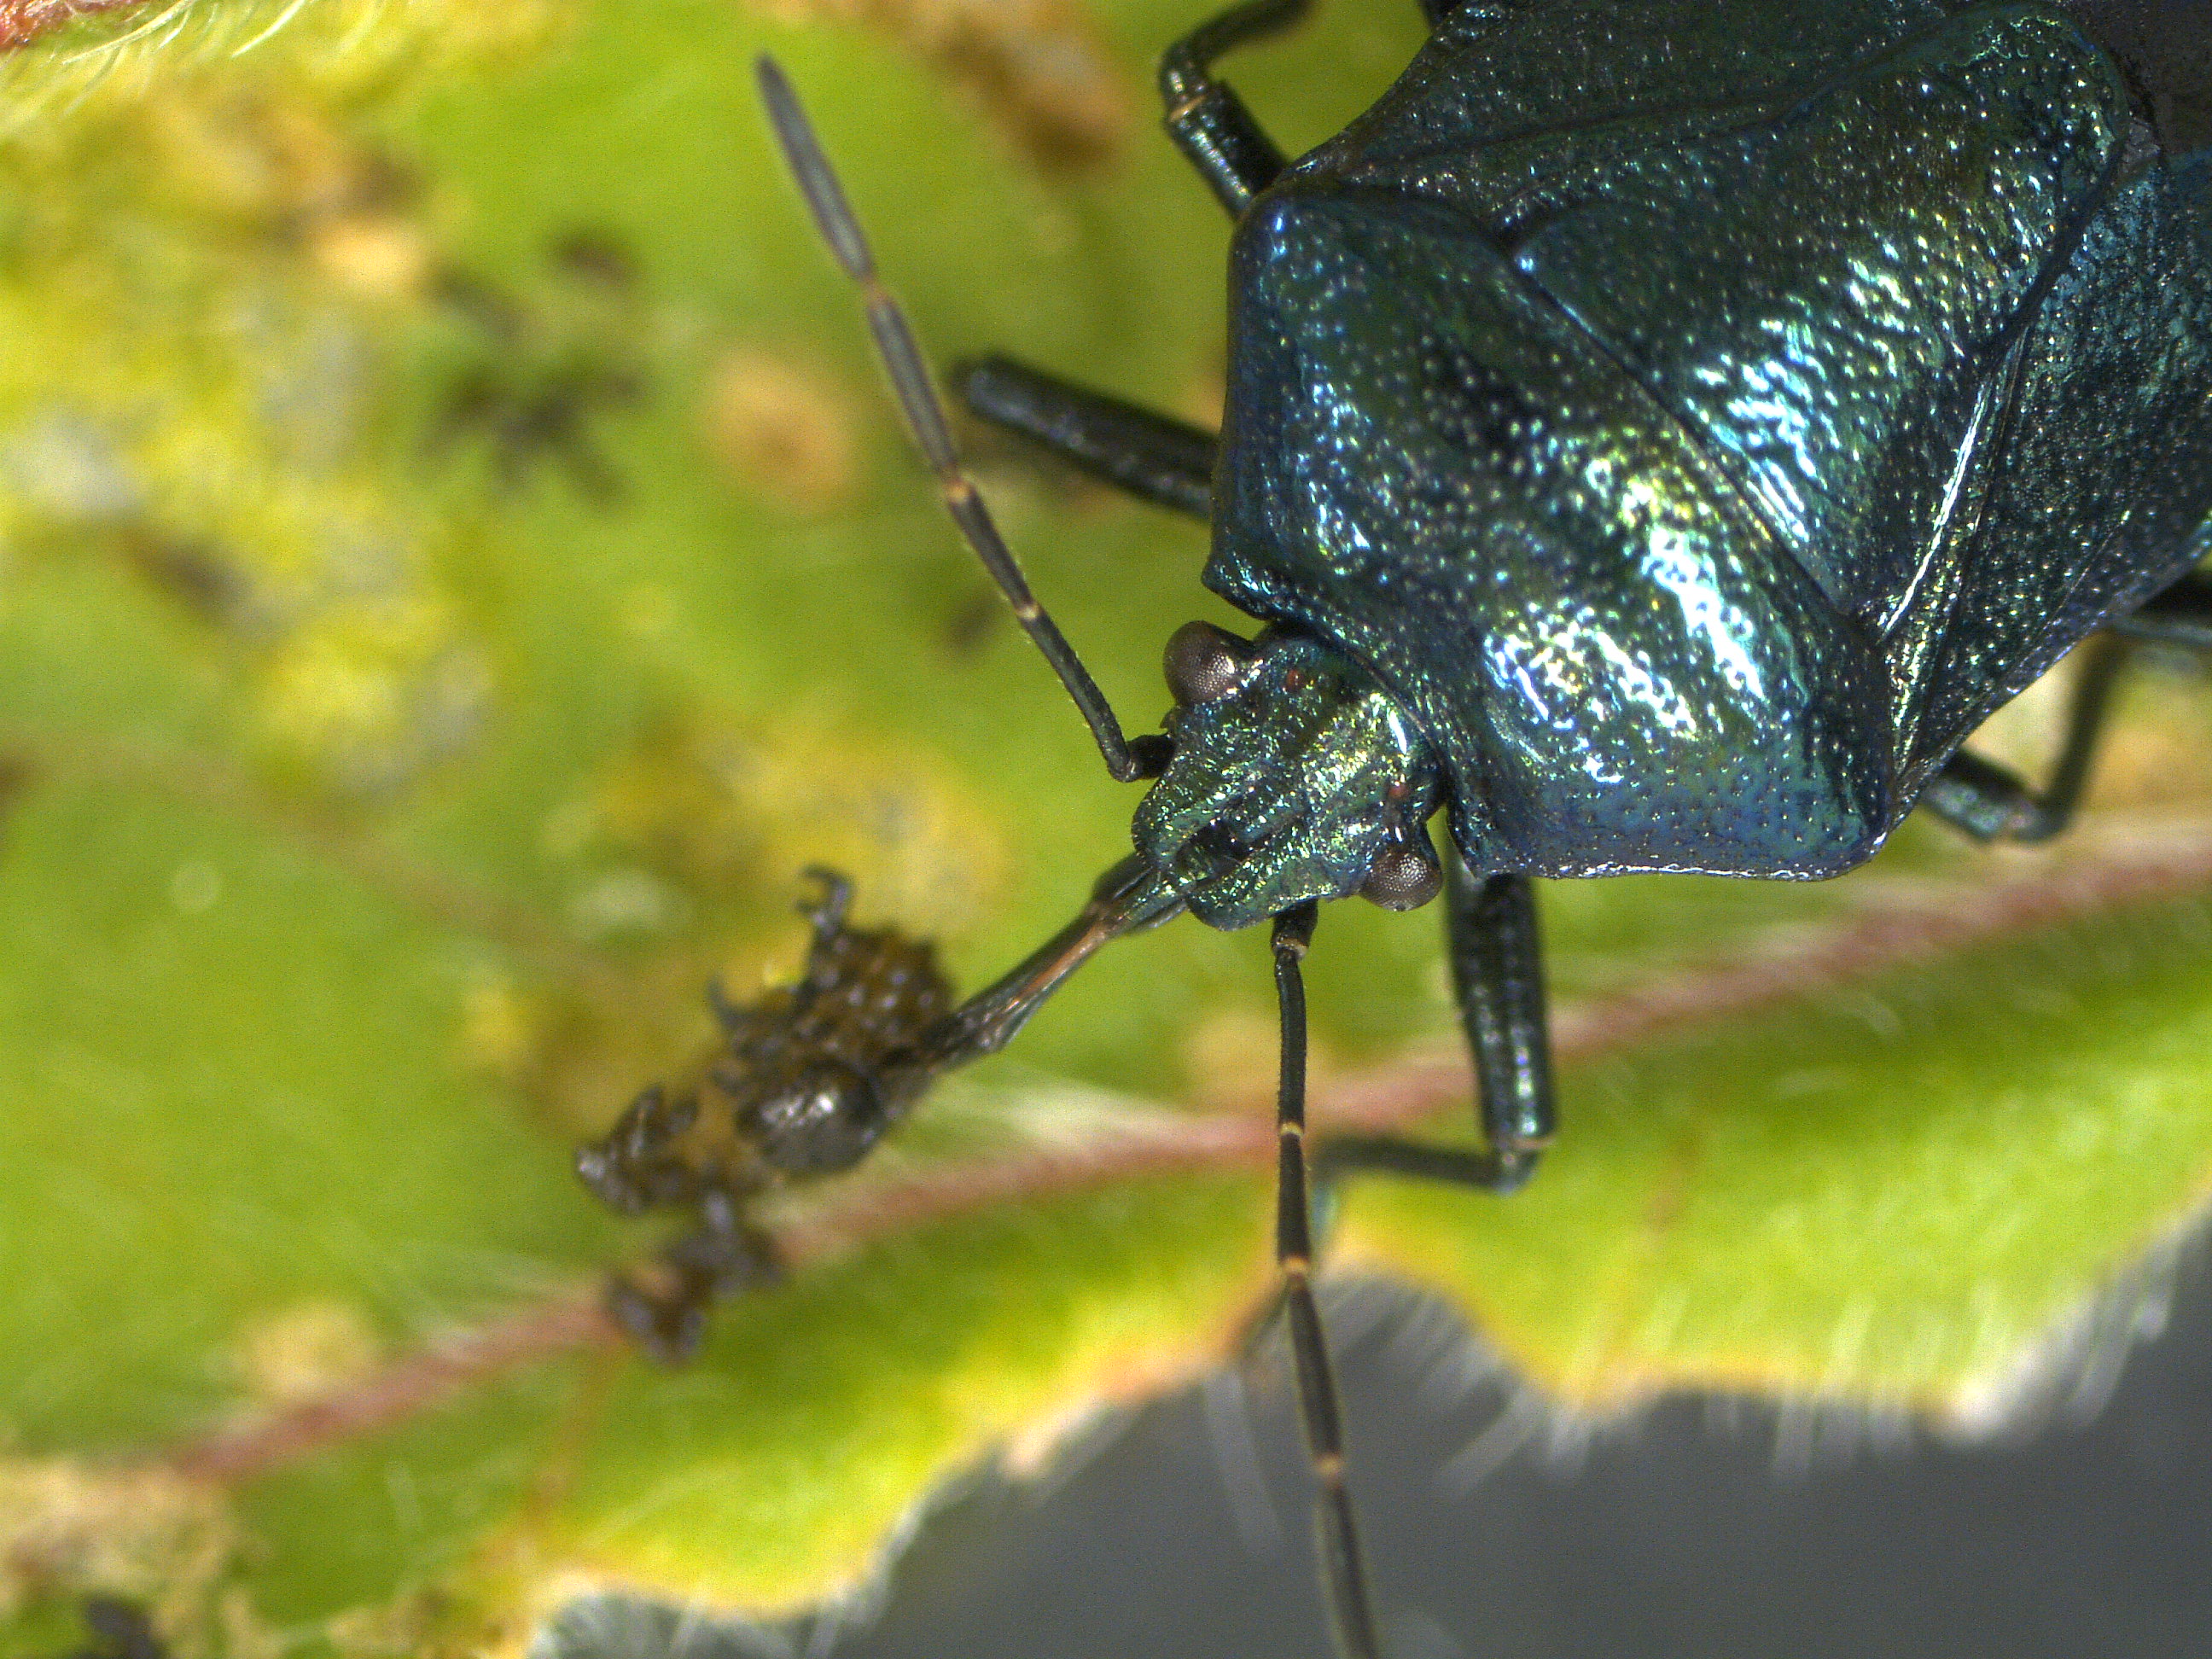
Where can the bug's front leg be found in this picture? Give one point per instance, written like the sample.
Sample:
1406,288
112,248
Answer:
1497,970
1207,120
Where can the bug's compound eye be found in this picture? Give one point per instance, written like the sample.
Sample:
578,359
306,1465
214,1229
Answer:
826,1120
1406,875
1205,663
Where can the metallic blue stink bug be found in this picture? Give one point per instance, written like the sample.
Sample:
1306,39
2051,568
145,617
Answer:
1657,433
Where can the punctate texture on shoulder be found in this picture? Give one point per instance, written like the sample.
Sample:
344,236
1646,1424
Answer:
1702,415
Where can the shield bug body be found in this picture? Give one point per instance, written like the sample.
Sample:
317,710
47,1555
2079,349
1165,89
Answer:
1656,436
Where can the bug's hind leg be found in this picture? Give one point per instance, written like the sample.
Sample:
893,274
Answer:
1990,802
1496,963
2180,615
1155,458
1207,120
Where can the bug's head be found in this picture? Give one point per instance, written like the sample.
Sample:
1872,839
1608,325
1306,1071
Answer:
1296,776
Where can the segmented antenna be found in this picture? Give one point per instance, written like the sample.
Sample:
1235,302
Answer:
1351,1616
924,419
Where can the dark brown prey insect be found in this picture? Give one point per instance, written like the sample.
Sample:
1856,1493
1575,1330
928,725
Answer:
799,1083
802,1083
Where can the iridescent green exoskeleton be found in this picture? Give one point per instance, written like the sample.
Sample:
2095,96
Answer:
1656,433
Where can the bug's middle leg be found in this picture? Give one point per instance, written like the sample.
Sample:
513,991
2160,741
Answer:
1207,120
1155,458
1497,964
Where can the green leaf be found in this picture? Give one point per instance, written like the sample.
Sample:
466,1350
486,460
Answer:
458,564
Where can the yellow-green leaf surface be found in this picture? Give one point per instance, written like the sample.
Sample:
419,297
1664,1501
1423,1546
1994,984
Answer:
458,564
